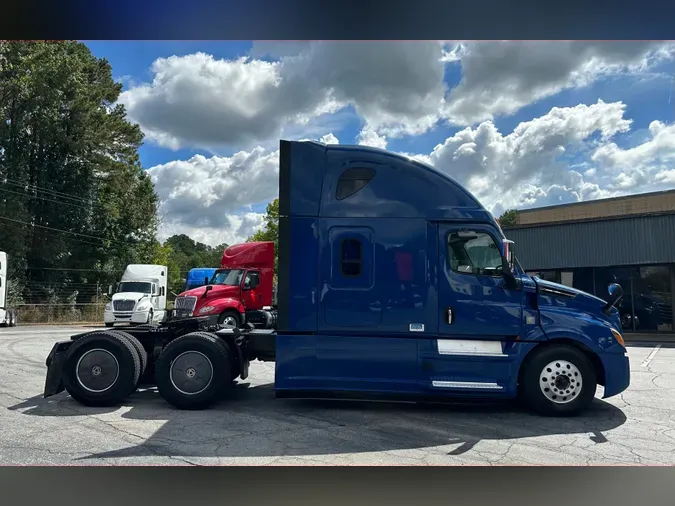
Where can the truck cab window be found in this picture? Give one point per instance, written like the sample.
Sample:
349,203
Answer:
134,286
474,253
252,279
228,277
353,180
351,258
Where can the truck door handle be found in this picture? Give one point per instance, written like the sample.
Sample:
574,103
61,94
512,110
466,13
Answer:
449,316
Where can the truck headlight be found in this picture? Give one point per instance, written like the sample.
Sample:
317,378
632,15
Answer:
108,306
206,309
143,306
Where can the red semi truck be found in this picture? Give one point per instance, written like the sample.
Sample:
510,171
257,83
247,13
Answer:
241,291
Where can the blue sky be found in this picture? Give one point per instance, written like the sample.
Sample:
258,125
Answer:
207,99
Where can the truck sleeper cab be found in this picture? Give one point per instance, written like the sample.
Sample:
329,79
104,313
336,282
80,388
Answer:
394,282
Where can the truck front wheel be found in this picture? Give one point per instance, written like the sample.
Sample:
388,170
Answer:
193,370
230,319
557,380
101,369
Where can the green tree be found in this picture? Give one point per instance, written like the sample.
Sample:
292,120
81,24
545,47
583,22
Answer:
270,231
186,254
73,195
508,218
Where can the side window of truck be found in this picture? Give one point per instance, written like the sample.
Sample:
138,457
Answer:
350,258
252,279
474,252
352,180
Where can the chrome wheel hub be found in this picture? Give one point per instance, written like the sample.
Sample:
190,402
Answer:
229,322
560,381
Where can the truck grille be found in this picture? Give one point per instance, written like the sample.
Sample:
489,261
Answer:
184,306
123,305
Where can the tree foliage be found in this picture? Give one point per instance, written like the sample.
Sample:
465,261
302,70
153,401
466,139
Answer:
270,231
75,203
185,254
508,218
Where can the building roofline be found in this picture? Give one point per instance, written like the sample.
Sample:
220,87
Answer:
590,202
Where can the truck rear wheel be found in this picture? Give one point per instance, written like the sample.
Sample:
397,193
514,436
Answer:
12,318
193,371
101,369
142,354
558,380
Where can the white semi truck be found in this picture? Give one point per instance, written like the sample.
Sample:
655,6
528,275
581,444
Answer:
140,296
8,315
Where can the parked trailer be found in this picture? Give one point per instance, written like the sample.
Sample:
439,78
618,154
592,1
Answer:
9,316
394,283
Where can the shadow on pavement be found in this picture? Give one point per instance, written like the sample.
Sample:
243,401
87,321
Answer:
252,423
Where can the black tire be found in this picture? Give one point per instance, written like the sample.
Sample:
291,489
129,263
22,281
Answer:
232,353
230,313
142,354
570,364
109,324
200,391
12,318
110,345
15,318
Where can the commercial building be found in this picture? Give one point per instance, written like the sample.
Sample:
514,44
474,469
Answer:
588,245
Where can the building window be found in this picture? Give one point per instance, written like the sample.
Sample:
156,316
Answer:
351,258
471,252
352,181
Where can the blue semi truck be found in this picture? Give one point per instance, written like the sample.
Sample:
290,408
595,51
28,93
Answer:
199,276
395,283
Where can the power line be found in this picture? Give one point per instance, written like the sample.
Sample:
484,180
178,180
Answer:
44,198
16,182
75,269
66,231
98,244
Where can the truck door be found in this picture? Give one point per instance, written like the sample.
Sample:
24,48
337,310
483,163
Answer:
477,312
251,297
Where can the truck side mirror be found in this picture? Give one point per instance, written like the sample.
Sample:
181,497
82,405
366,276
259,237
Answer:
206,280
509,254
615,293
509,265
110,290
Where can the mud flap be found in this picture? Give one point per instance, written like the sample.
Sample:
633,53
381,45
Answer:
55,361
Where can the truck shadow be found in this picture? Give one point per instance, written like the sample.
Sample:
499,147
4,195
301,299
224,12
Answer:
252,423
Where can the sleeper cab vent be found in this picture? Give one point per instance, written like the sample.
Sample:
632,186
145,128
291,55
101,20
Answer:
353,180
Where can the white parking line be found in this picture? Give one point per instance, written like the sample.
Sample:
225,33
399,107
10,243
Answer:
651,356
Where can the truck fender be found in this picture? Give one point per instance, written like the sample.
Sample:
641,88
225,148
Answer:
228,303
593,332
568,338
55,361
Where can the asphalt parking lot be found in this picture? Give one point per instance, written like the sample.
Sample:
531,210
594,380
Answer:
253,428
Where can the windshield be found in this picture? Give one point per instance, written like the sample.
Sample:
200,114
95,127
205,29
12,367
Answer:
227,277
134,286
